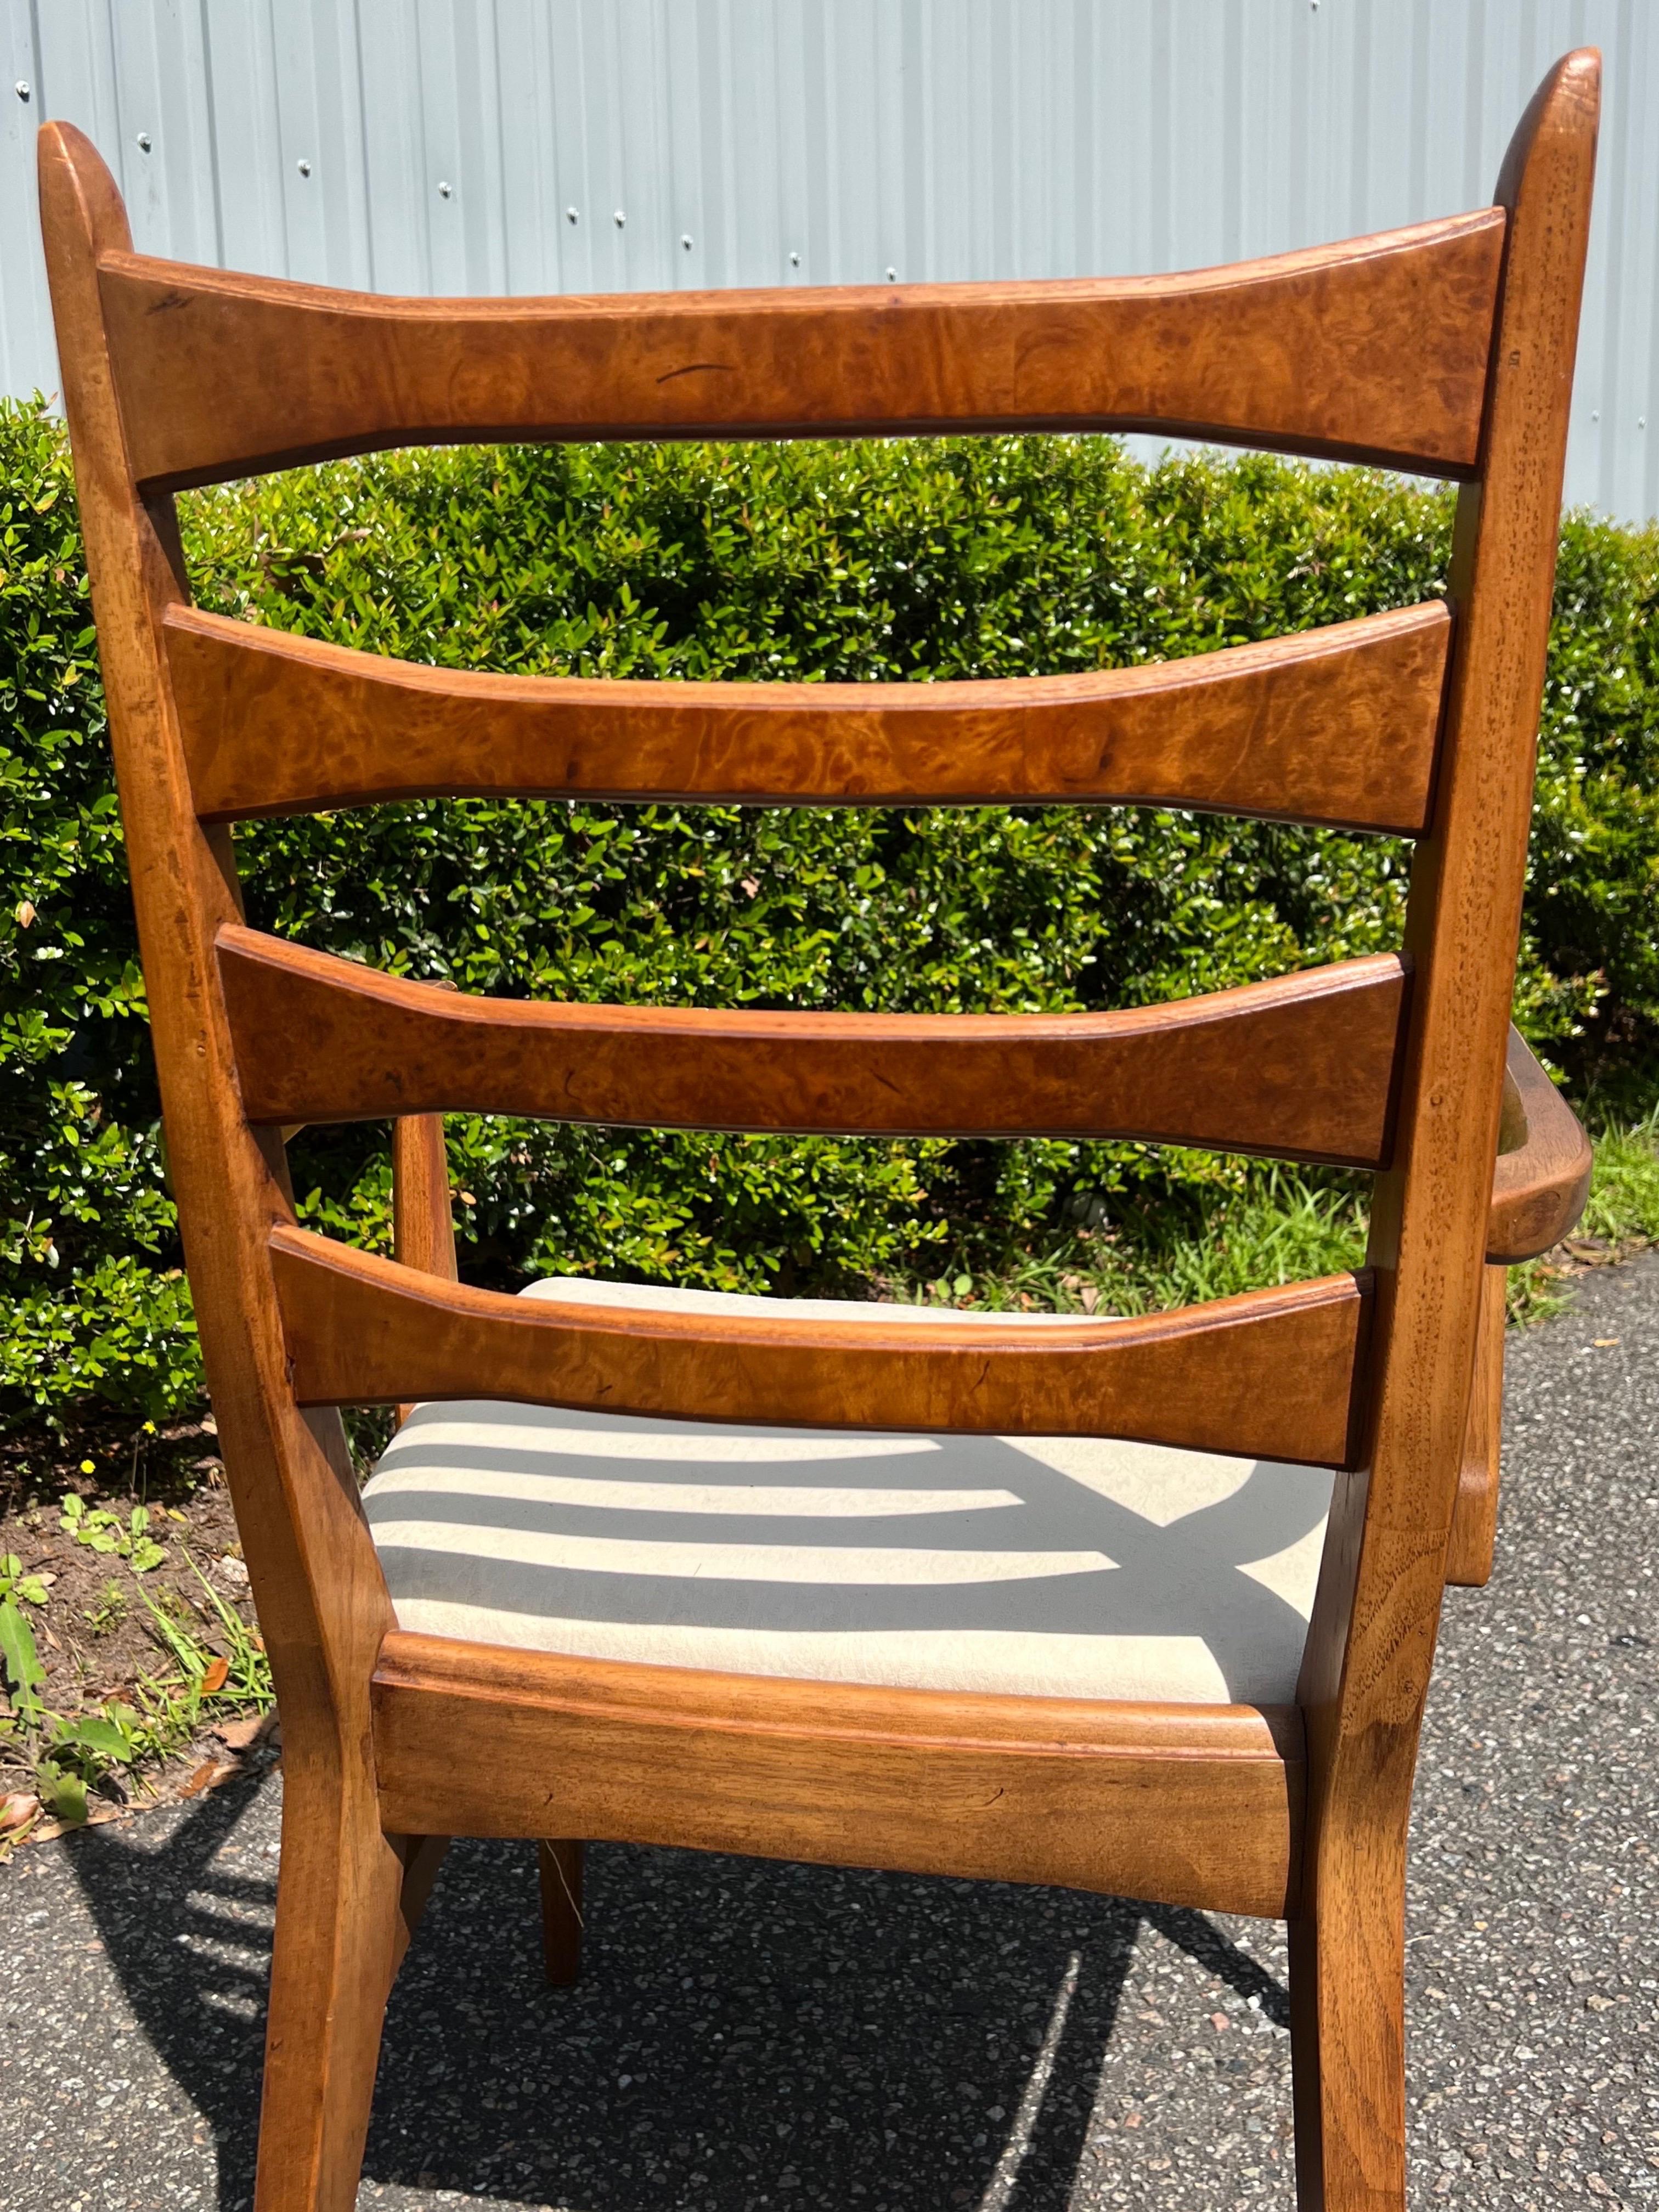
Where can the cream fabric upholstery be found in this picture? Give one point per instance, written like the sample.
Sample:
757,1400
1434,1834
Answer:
1060,1567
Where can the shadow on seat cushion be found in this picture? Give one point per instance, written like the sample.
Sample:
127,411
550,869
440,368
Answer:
1058,1566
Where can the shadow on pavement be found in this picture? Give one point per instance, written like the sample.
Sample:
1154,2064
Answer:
744,2034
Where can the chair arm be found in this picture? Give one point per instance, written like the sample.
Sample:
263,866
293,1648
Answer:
1542,1175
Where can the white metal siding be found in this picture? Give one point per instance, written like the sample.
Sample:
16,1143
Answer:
600,145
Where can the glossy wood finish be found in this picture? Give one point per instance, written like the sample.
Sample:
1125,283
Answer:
1268,1374
1371,1644
1374,350
1384,348
1542,1175
1474,1517
322,1599
422,1224
1012,1788
1335,726
320,1039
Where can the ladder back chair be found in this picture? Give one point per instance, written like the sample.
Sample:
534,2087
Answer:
925,1700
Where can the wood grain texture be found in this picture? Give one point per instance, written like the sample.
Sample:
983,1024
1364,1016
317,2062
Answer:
1385,348
1301,1066
1335,725
1542,1175
1267,1374
1185,1804
1374,350
321,1597
1371,1645
1474,1517
422,1221
422,1225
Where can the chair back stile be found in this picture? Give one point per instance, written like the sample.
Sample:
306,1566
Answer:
1447,348
321,1596
1370,1645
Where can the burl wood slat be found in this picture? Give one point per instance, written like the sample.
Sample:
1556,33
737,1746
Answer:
1333,725
1373,350
1195,1805
1268,1375
1300,1066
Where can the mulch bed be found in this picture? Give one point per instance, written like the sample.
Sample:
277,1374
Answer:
95,1634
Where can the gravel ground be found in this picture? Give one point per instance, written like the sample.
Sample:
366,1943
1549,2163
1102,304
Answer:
751,2035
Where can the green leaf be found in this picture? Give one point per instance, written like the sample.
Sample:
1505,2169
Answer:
62,1793
146,1555
103,1738
24,1673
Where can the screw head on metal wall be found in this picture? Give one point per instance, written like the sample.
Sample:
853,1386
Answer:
619,218
570,215
445,190
303,166
686,242
144,142
22,89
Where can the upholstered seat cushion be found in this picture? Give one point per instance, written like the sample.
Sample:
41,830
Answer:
1060,1567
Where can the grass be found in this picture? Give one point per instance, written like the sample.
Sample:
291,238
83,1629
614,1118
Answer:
1621,1216
109,1747
1261,1222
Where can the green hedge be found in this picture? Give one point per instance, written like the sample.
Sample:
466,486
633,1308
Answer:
915,560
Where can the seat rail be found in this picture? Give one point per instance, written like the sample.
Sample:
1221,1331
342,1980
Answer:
1197,1805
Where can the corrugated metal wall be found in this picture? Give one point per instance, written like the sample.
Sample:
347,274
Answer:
580,145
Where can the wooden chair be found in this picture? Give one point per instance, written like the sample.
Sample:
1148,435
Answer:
1445,349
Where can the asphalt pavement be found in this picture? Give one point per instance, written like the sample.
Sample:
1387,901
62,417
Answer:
749,2035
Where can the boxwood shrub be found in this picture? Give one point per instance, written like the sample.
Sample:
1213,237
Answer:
912,560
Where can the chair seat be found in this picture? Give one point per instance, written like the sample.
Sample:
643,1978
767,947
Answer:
1056,1566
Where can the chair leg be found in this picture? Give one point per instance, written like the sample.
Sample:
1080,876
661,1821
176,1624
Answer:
562,1911
1348,2046
339,1934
